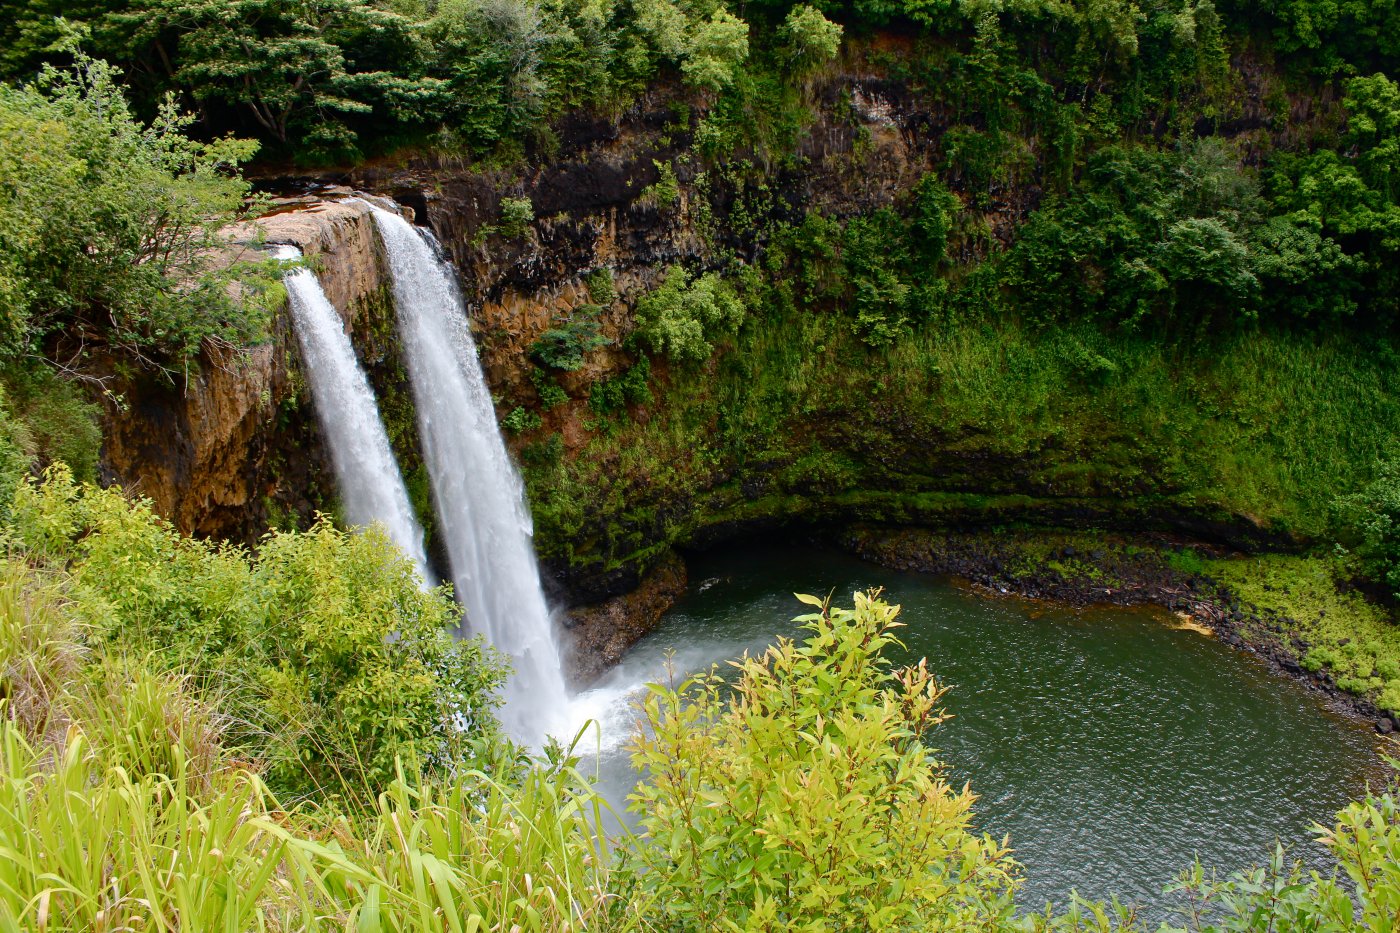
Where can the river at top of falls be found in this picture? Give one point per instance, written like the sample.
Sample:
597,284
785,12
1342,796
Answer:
371,487
477,491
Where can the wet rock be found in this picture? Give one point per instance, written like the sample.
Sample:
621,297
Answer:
597,636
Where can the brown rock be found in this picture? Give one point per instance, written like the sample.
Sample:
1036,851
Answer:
598,636
204,452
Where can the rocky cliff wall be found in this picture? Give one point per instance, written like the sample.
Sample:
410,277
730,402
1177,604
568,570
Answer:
236,449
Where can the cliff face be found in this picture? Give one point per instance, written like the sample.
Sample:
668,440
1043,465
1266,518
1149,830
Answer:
597,204
236,449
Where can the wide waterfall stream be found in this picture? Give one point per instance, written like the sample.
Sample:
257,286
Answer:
371,487
478,493
1112,745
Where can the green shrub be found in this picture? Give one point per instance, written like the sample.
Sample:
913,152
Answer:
666,190
1371,518
59,421
550,392
1362,894
566,346
931,218
516,216
683,317
809,40
746,801
599,283
521,420
543,453
112,230
328,655
609,397
1389,699
1318,658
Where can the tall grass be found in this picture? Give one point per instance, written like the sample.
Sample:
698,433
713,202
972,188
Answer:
122,809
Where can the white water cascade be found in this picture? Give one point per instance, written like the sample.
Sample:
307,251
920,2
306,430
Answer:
479,495
371,487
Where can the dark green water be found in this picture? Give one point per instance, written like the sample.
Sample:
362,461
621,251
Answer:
1110,745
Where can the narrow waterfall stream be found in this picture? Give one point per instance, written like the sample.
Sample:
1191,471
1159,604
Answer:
479,495
371,487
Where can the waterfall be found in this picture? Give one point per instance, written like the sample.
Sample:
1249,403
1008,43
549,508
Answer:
371,488
479,495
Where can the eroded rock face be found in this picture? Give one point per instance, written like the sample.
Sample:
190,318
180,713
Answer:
596,637
236,449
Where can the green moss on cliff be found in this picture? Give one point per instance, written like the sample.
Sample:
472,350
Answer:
800,418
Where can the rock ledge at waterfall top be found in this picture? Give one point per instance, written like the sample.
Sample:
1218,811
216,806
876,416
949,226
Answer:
237,449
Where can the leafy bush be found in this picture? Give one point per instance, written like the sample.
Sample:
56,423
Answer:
1371,518
1363,895
550,392
809,40
516,216
612,396
328,654
683,317
931,219
600,287
107,231
521,419
809,800
566,346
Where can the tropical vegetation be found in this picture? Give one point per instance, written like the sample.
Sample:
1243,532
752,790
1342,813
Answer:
1151,258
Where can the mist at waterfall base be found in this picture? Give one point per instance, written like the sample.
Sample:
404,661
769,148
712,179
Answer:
477,492
1112,746
367,475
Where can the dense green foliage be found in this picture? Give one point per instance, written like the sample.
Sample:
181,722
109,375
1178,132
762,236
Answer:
869,834
128,800
332,660
1147,265
684,316
106,223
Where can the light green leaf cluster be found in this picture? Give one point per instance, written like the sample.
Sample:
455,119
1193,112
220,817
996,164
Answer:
707,41
810,40
683,317
807,799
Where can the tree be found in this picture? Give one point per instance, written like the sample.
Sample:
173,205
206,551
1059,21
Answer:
706,41
1373,128
806,798
809,40
106,224
290,65
490,53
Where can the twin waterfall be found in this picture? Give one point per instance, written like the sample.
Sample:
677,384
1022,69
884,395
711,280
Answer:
478,494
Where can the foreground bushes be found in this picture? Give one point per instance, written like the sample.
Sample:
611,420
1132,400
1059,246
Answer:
807,799
323,652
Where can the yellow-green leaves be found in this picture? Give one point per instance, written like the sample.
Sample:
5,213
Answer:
806,799
324,650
